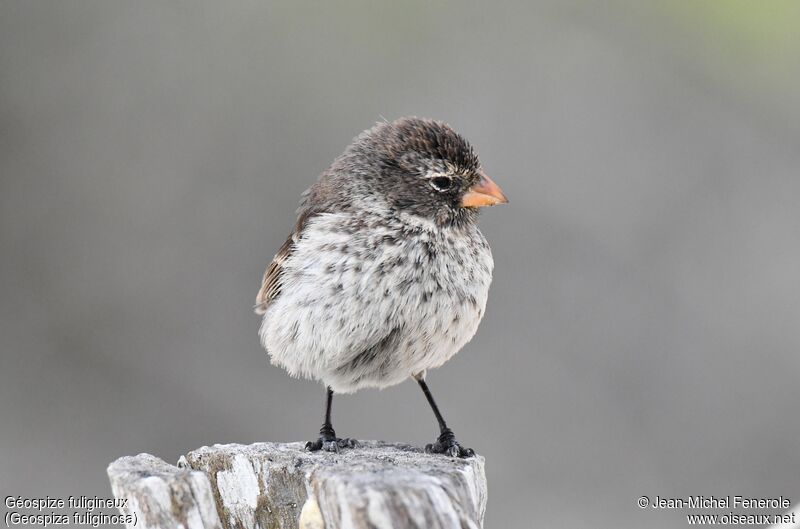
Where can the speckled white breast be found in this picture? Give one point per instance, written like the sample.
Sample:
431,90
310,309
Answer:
368,302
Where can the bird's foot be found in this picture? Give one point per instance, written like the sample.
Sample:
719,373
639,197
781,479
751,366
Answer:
328,442
331,444
447,444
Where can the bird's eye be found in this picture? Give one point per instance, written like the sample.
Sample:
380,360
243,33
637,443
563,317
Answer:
442,183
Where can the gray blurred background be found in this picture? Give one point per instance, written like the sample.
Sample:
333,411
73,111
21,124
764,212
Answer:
642,331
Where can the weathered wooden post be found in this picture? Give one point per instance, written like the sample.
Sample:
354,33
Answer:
274,485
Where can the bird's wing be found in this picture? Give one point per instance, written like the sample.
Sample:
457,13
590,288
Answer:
271,282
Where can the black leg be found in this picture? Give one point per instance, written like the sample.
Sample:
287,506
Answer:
446,443
327,436
327,426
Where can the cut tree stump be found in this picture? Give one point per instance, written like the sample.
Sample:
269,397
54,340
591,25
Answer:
281,486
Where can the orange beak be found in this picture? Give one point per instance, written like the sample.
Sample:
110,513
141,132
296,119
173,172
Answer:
484,193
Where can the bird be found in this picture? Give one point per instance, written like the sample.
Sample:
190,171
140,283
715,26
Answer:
385,275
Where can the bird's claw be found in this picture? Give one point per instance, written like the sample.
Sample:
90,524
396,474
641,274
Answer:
446,444
330,444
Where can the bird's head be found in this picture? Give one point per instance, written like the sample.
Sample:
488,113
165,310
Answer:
420,167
